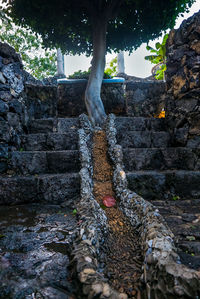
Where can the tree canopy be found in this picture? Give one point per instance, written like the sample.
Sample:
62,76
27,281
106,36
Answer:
97,26
68,23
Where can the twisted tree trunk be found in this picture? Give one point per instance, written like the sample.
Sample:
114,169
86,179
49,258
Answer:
93,100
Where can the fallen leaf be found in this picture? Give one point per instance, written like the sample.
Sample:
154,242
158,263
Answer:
109,201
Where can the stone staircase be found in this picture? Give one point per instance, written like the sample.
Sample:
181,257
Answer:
166,175
46,166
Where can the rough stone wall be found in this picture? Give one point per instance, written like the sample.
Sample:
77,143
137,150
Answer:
183,82
41,100
71,99
12,104
144,98
19,103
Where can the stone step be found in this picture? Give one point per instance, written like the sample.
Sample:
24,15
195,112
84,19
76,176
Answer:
187,209
161,158
50,141
49,125
54,188
155,185
140,139
44,162
125,124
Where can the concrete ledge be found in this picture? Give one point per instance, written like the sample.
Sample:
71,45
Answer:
77,81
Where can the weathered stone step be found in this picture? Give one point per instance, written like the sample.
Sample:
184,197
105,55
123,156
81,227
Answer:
125,124
187,209
50,141
53,188
161,158
34,244
165,184
137,139
49,125
44,162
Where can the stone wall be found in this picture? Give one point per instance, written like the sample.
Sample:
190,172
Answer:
20,102
71,98
183,82
41,100
12,106
144,98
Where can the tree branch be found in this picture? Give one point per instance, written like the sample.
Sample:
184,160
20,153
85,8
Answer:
112,8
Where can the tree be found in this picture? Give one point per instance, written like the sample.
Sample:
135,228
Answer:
120,62
84,26
36,60
60,62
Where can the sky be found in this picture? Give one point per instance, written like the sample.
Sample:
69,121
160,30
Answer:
135,64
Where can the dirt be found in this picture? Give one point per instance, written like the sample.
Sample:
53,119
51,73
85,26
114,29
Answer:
122,247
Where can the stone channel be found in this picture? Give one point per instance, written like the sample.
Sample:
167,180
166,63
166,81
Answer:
163,273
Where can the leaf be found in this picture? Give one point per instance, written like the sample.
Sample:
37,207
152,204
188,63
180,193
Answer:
2,236
109,201
74,212
158,45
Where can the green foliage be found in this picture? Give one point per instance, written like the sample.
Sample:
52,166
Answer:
111,69
109,73
74,212
36,60
159,58
175,197
68,24
85,75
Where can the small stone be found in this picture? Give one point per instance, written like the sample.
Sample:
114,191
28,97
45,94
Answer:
88,259
89,271
106,290
97,288
2,79
133,293
123,296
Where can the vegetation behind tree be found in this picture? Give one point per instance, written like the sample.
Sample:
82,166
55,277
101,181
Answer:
37,61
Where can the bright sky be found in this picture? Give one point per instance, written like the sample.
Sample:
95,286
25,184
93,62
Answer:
135,64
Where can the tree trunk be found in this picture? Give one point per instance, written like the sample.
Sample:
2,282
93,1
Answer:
120,62
60,62
93,100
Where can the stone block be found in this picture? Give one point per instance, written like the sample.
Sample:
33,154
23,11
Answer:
67,141
15,190
41,126
66,124
34,142
41,100
4,131
59,188
28,162
63,161
144,98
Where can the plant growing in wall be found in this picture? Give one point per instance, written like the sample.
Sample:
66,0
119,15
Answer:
97,26
158,58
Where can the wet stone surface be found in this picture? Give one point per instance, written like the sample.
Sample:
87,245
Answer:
35,243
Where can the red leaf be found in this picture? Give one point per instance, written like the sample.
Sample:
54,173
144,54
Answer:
109,201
